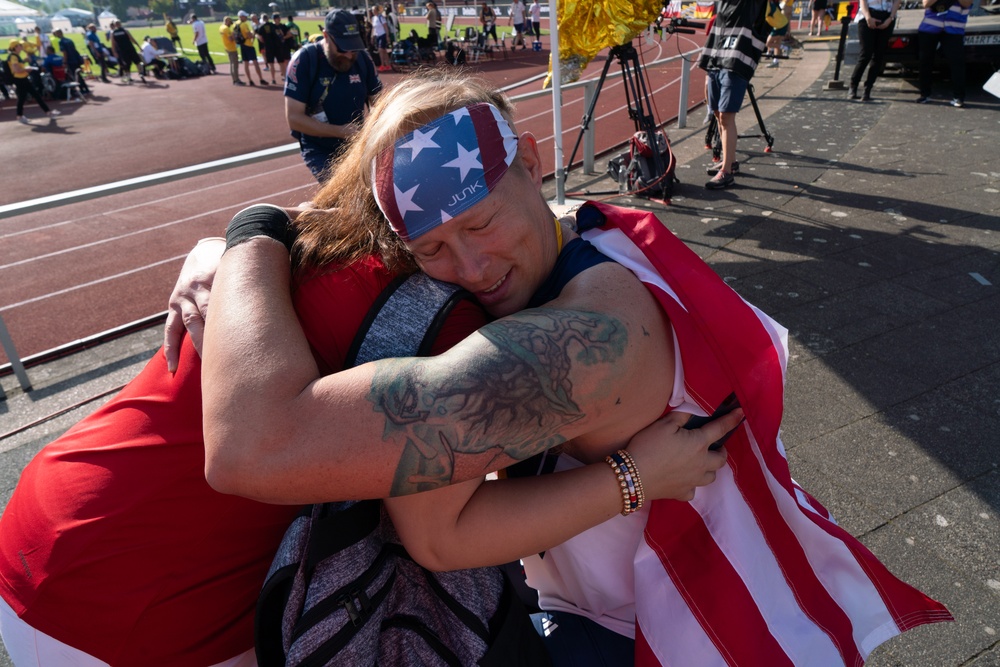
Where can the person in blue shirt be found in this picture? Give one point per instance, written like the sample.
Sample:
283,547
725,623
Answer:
52,60
73,60
98,52
944,23
327,87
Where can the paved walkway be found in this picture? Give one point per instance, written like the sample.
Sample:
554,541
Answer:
872,232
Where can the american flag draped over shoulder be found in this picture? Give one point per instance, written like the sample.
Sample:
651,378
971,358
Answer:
754,571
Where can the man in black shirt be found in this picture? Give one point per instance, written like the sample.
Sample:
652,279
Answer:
272,39
730,57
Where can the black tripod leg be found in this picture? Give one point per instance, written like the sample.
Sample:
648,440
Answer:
760,121
587,117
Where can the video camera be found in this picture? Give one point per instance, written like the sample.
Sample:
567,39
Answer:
677,24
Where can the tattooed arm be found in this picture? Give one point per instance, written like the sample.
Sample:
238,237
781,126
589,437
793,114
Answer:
275,432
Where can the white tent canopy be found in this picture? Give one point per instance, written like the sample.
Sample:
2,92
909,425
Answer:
8,8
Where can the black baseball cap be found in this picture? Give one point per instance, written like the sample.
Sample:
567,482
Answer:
343,28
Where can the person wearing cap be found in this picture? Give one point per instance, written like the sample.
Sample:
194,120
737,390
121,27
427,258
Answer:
226,32
19,68
248,54
327,87
175,38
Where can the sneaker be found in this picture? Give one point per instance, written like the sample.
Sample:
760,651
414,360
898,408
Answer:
923,99
54,113
958,104
273,82
714,168
251,83
867,97
853,94
773,63
24,120
240,83
721,180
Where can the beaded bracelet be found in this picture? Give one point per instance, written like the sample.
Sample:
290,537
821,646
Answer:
628,480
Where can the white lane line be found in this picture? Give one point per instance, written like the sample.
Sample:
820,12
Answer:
161,200
201,214
50,295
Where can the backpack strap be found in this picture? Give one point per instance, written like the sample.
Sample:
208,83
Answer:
405,320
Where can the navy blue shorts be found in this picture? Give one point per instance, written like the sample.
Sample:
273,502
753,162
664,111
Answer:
725,91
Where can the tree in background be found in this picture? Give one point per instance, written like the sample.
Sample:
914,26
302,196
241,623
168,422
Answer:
159,7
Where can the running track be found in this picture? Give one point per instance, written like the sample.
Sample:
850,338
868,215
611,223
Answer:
71,272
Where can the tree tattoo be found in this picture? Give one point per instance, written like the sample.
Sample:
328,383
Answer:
513,398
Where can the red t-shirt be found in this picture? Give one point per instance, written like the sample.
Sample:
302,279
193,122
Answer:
114,543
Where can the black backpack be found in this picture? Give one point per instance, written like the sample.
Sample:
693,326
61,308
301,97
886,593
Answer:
238,34
343,591
6,75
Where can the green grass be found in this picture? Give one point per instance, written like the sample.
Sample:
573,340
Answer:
310,24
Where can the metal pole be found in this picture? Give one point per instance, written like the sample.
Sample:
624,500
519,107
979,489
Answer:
15,361
589,91
682,105
557,102
837,84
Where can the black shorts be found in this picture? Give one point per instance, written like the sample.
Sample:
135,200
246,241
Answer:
247,54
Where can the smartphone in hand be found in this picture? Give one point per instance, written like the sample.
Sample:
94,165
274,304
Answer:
727,406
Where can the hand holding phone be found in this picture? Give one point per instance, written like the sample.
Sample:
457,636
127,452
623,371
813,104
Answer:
727,406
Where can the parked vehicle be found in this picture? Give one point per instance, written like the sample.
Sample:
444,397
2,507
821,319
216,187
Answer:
982,35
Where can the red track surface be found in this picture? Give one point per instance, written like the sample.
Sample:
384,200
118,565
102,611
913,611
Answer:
76,270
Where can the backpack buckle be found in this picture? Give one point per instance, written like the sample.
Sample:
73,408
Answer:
358,606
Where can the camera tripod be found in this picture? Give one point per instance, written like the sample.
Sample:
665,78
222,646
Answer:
713,138
637,100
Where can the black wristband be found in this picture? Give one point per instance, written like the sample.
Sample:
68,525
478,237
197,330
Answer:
260,220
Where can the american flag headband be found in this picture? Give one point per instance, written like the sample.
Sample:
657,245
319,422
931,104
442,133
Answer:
436,172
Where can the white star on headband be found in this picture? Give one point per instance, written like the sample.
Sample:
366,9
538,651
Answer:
419,142
465,162
458,114
404,200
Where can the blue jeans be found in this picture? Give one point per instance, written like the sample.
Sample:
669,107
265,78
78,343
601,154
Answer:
576,641
725,90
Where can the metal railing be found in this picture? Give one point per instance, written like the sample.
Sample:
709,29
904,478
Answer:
17,365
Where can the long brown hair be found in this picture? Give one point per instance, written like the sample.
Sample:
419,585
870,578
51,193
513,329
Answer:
347,225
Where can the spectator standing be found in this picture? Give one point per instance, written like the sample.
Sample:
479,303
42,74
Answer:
271,46
536,20
380,38
245,37
123,44
98,52
943,23
323,107
730,58
293,36
151,58
433,24
875,20
19,69
516,19
393,22
172,31
43,40
32,45
488,19
73,61
817,12
201,42
226,31
779,28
